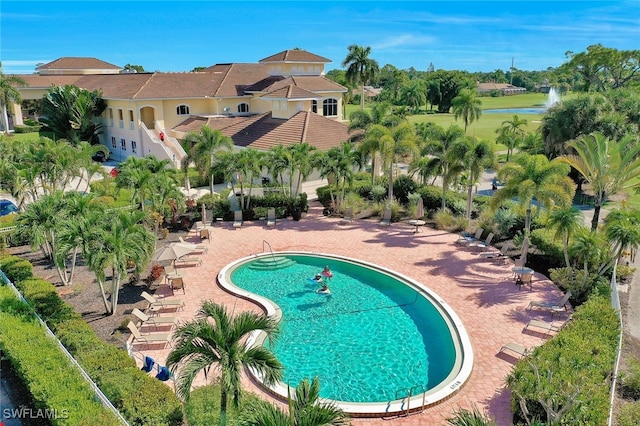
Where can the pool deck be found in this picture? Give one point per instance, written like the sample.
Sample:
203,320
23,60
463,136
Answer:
480,291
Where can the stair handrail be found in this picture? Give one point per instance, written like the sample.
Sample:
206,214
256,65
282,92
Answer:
273,257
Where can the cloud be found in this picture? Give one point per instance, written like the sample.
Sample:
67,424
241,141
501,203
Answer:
403,40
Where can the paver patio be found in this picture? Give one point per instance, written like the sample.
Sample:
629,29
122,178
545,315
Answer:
480,291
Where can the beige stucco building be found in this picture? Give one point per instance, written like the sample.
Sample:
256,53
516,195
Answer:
282,99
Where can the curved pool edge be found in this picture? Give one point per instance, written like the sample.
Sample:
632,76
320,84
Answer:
445,390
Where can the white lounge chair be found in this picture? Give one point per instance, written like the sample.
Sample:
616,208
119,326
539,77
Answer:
188,260
549,327
156,304
482,244
465,238
550,306
198,247
149,338
271,217
516,348
154,321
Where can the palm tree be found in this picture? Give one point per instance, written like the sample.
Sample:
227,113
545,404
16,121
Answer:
512,134
478,157
413,95
9,94
277,163
566,222
622,228
534,177
203,146
607,168
360,68
339,163
40,222
305,409
443,155
467,105
301,160
249,162
216,339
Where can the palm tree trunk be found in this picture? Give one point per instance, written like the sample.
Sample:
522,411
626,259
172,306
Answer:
362,98
115,287
390,192
527,222
596,217
469,196
103,294
565,247
5,118
223,406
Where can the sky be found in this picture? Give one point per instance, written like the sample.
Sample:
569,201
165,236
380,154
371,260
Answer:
180,35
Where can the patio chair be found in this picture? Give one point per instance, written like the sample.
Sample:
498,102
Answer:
156,304
177,284
237,219
348,215
548,327
386,218
517,348
199,247
482,245
271,217
497,254
155,321
149,338
525,279
188,260
465,238
164,373
170,272
553,307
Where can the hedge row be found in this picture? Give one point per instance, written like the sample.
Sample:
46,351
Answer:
140,398
57,387
570,373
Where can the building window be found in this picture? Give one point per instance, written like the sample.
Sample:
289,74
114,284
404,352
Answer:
113,142
283,105
120,119
182,110
133,147
243,107
330,107
111,118
276,105
123,144
131,125
314,106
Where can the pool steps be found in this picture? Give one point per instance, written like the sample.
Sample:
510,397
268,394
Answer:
272,263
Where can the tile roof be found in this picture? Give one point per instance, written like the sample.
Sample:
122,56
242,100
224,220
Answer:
74,63
295,55
291,92
35,81
312,83
262,131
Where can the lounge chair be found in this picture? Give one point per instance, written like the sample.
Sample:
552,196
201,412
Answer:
271,217
482,244
156,304
199,247
386,218
149,338
170,272
549,327
553,307
348,215
155,321
237,219
188,260
515,347
497,254
465,238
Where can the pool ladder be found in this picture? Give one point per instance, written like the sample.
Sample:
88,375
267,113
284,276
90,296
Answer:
273,257
406,394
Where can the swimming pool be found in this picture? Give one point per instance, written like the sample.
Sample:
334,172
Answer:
378,339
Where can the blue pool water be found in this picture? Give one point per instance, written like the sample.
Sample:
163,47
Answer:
371,340
515,111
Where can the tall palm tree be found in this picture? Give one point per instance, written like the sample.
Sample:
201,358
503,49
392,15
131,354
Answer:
40,222
9,94
512,134
566,222
478,157
609,168
392,143
305,409
413,95
467,105
339,163
302,159
442,155
216,339
360,67
534,178
203,146
249,162
277,163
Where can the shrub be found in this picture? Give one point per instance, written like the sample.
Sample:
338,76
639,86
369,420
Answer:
27,129
506,220
630,379
43,297
15,268
544,240
624,272
629,414
445,220
573,280
403,185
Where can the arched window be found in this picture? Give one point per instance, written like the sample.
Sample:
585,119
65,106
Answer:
314,106
330,107
243,107
182,110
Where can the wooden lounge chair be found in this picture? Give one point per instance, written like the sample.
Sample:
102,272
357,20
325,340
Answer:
515,347
271,217
154,321
348,215
553,307
156,304
148,338
548,327
386,218
237,219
